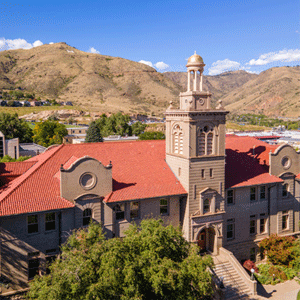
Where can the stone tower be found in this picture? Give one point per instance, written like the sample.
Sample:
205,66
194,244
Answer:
195,151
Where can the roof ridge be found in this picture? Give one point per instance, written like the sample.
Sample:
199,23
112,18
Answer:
26,175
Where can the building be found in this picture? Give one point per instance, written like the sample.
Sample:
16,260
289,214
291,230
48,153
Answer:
9,147
225,191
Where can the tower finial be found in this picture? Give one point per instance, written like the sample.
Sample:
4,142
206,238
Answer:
195,52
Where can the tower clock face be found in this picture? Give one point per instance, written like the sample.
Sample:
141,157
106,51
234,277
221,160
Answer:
201,101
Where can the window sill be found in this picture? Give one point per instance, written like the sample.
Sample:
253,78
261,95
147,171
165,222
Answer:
50,231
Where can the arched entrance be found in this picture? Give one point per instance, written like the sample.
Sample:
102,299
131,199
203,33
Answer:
206,240
202,240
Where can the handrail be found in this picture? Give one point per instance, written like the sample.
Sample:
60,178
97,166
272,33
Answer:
252,284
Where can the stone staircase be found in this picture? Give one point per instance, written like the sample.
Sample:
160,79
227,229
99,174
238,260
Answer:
235,288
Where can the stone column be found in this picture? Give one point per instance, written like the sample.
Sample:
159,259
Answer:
201,205
213,204
189,81
201,79
195,80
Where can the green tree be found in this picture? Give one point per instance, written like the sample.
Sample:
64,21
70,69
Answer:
138,128
93,134
48,133
151,262
7,158
152,135
13,127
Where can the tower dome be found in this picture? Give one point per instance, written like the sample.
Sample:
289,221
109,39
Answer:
195,60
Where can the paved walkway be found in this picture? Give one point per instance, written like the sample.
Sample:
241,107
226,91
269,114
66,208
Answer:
282,291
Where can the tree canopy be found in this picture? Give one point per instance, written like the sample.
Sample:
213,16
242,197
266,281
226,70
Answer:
93,134
13,127
151,262
49,132
152,135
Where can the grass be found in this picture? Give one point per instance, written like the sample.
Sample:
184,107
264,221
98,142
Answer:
237,127
27,110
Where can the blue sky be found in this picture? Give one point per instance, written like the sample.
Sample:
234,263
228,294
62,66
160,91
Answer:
252,35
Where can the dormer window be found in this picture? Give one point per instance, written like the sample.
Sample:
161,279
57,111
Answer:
206,205
285,189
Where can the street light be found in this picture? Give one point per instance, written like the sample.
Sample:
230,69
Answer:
252,274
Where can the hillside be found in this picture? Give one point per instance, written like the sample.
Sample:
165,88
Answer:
274,92
218,85
93,81
100,83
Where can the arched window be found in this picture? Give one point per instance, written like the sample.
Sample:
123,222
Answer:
205,141
206,205
177,140
210,143
201,144
87,216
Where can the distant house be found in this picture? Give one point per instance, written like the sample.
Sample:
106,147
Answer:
9,147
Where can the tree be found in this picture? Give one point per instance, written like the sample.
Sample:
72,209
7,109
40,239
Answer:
152,135
279,249
13,127
151,262
48,133
93,134
7,158
138,128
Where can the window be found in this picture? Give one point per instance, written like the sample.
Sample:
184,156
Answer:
120,211
285,219
262,223
206,205
252,224
230,199
262,193
285,189
134,210
50,221
210,173
86,217
33,225
201,144
253,194
49,261
163,206
230,229
210,143
252,254
33,267
177,140
202,173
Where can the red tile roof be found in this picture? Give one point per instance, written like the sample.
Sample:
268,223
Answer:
247,162
139,171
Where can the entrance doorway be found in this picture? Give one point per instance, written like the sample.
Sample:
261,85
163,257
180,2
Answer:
202,241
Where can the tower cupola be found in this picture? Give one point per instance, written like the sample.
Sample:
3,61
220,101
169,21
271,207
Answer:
195,67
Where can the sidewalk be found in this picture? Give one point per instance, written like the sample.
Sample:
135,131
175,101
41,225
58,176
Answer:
282,291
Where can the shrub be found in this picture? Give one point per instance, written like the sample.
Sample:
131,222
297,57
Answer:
248,265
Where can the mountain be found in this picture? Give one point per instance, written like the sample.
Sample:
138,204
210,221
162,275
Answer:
274,92
95,82
102,83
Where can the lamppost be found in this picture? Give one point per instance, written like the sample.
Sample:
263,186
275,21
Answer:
252,274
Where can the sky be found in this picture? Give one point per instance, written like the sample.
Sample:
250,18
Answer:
251,35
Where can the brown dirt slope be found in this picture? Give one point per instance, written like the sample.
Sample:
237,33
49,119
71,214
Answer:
218,85
93,81
274,92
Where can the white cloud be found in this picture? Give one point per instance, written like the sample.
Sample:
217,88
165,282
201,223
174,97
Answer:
37,43
93,50
51,43
221,66
148,63
283,55
161,65
7,44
